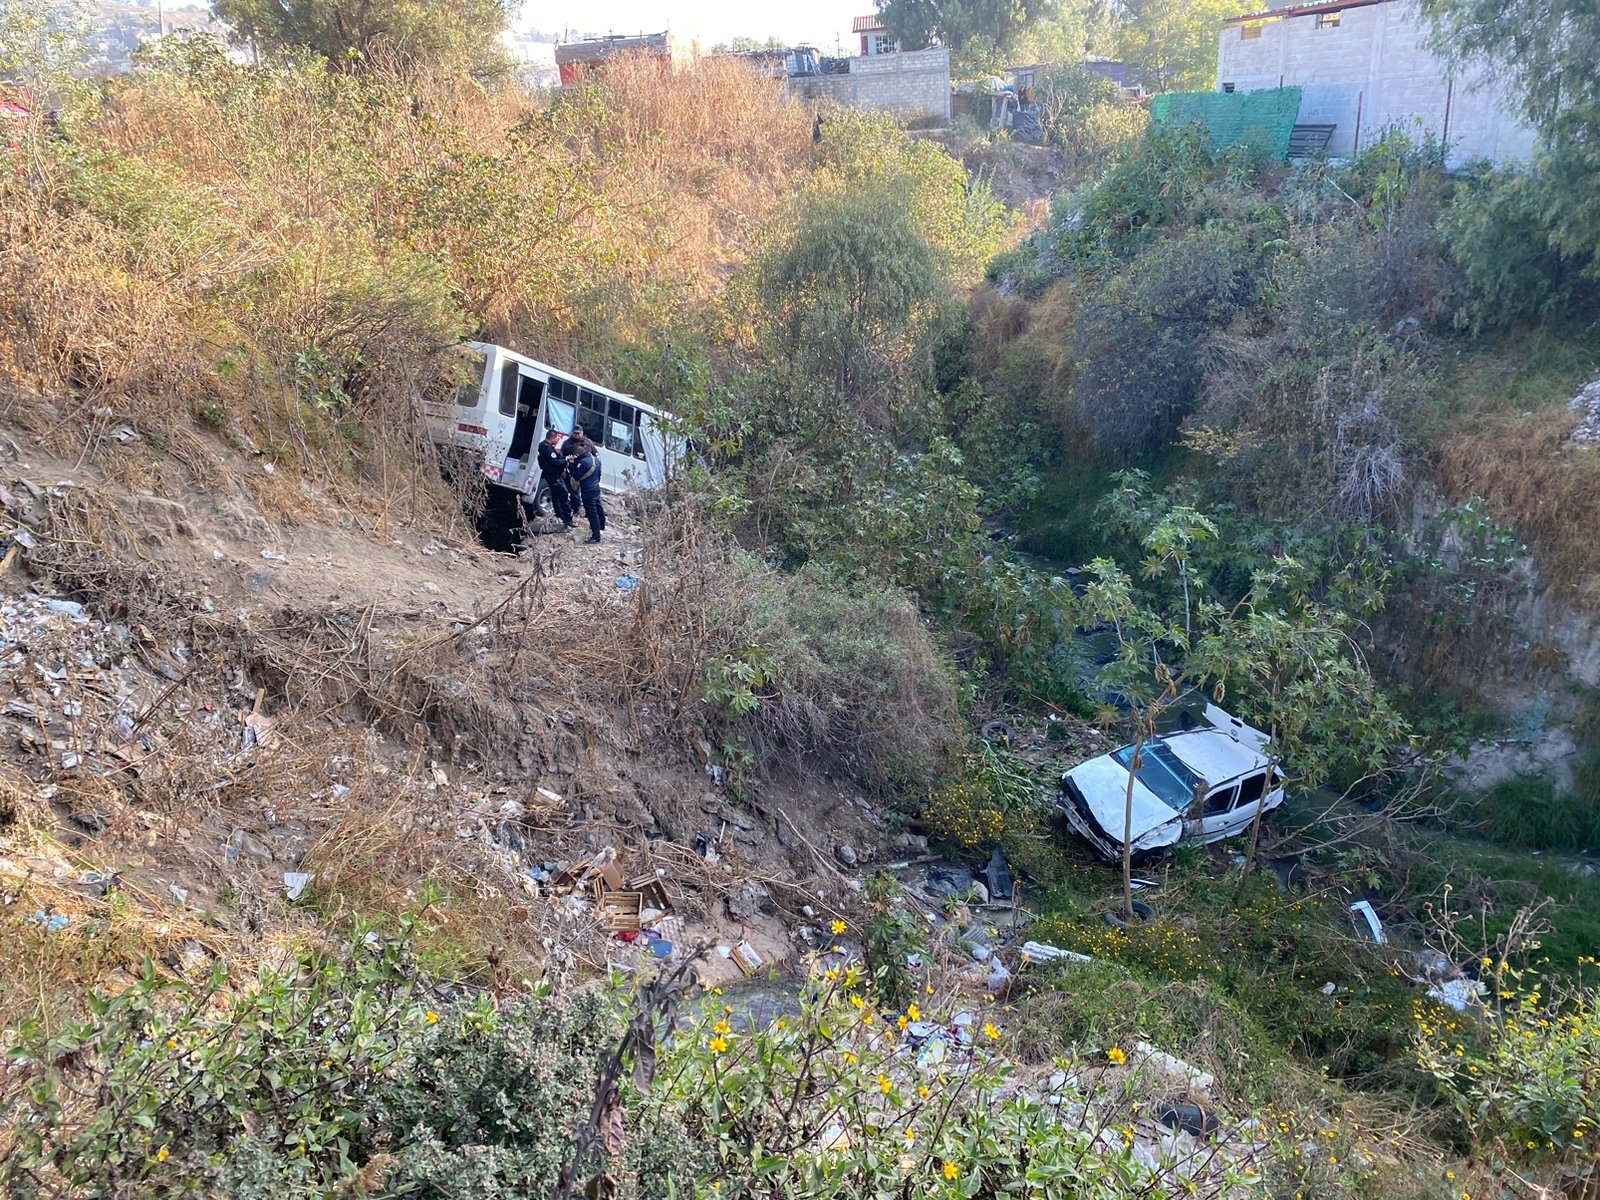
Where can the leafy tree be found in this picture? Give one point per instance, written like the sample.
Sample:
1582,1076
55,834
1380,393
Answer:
40,48
850,286
352,34
955,23
1546,51
1174,42
1302,679
1152,670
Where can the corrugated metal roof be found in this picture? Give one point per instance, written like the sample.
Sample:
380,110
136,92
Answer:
872,24
593,50
1300,10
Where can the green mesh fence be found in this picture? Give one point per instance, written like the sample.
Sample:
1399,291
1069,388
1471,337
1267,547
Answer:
1265,118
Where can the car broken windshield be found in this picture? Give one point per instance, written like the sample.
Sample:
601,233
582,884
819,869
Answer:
1160,771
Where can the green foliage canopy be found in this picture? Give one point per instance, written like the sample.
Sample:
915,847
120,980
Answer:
349,33
955,23
1529,237
1175,41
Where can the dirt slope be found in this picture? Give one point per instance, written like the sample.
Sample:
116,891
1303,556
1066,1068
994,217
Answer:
200,701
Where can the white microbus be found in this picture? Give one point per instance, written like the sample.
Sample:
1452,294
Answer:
506,403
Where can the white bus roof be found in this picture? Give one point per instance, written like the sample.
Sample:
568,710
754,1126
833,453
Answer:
565,374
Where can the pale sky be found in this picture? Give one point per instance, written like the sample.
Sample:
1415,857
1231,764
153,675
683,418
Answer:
822,23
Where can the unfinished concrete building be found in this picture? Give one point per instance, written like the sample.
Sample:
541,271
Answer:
1364,67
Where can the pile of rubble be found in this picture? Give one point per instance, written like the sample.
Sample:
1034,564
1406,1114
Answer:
1587,405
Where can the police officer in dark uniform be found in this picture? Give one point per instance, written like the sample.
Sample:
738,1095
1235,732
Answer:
583,465
553,466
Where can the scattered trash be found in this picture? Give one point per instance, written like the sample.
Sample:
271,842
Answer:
1190,1118
101,884
67,608
998,976
1459,994
746,959
274,556
52,922
1042,952
1364,907
998,876
626,583
295,883
973,940
1329,988
946,882
620,911
181,895
1150,1061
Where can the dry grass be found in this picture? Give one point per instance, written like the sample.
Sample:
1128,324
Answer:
1507,441
261,267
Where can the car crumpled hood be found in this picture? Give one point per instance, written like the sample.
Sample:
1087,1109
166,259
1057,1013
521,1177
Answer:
1104,782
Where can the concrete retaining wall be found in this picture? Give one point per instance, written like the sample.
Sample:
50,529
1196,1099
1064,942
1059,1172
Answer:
912,82
1371,72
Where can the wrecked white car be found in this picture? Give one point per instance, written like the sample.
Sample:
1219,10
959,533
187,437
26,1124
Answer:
1201,784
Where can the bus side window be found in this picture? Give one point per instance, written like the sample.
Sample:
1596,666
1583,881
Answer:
592,415
620,428
561,405
509,380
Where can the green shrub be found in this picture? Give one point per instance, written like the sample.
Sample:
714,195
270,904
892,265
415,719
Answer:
846,669
1086,118
1499,232
1531,812
1531,1094
349,1072
1141,346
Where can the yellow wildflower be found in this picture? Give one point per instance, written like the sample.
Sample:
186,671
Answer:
839,927
831,974
922,1090
162,1154
990,1032
718,1044
1116,1055
722,1027
913,1012
858,1001
431,1017
885,1084
951,1171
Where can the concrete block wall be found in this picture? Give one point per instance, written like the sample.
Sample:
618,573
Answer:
1371,72
912,82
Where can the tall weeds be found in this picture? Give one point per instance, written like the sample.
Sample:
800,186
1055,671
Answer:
277,255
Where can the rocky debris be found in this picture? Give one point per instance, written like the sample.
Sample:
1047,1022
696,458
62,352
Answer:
1587,405
846,854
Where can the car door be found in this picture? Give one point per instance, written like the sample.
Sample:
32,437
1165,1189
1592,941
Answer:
1251,790
1215,810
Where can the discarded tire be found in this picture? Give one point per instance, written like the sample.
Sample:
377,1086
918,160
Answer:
1142,912
1190,1118
998,731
